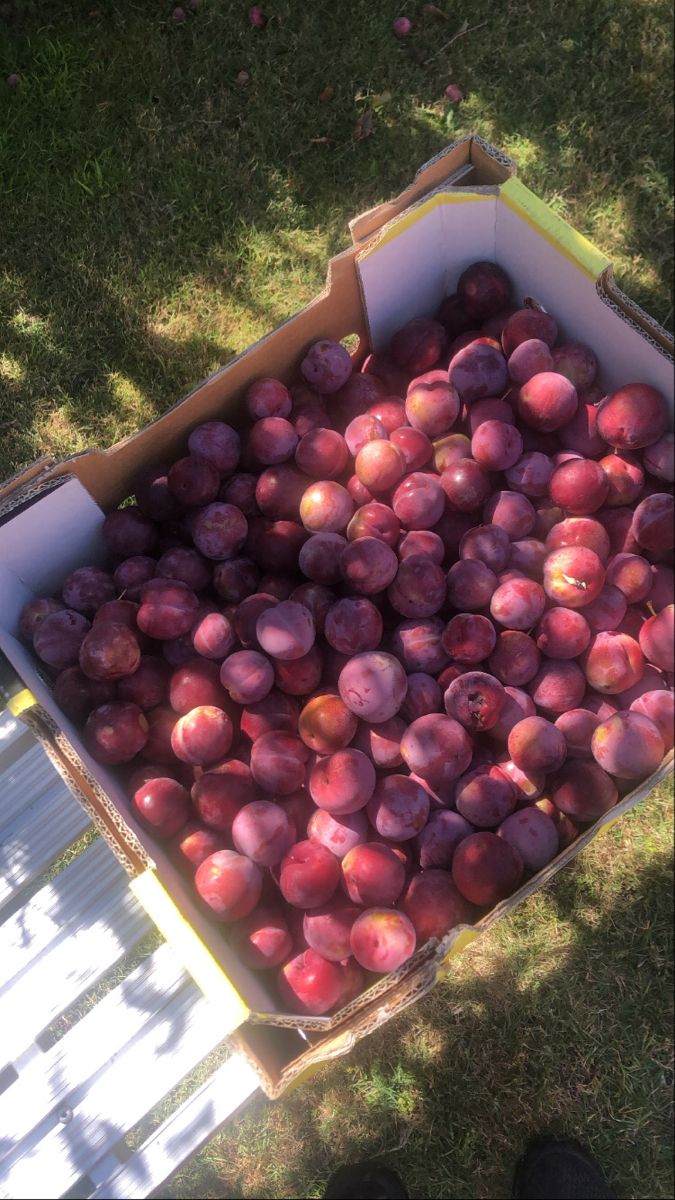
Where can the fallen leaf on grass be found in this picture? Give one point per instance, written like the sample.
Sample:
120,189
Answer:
321,141
364,126
432,10
326,94
379,101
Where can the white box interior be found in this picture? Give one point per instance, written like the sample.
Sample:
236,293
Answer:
408,274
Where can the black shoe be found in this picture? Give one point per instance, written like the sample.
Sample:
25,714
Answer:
559,1169
365,1181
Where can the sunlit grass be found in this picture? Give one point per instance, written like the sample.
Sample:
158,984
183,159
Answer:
158,218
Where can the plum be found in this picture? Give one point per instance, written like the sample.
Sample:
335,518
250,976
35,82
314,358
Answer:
77,695
578,726
116,732
529,358
434,904
229,884
518,604
485,797
308,875
558,686
326,507
581,433
613,663
398,808
579,486
469,638
496,445
203,735
35,611
109,652
417,346
535,744
278,762
168,609
512,511
326,724
583,791
628,745
563,633
247,675
659,458
262,831
483,289
327,929
466,485
470,585
262,939
653,524
424,696
382,939
418,588
353,625
515,658
573,576
432,403
488,544
339,834
486,869
373,686
422,541
476,700
372,874
342,782
127,531
286,631
162,805
659,706
478,370
634,416
326,366
437,841
311,985
58,636
436,747
533,834
526,324
382,742
221,792
547,401
413,446
86,589
657,638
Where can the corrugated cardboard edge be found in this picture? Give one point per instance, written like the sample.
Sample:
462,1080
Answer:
470,152
104,814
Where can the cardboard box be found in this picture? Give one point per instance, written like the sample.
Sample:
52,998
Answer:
464,205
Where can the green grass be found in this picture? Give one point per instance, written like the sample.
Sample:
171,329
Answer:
157,219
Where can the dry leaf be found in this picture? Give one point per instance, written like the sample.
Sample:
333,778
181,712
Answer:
321,141
326,94
432,10
379,101
364,126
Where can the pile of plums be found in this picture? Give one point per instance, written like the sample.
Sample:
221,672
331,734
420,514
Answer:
375,656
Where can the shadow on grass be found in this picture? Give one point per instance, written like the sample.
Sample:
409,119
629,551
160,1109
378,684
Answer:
560,1025
161,218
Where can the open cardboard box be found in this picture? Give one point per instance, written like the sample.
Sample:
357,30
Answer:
465,204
